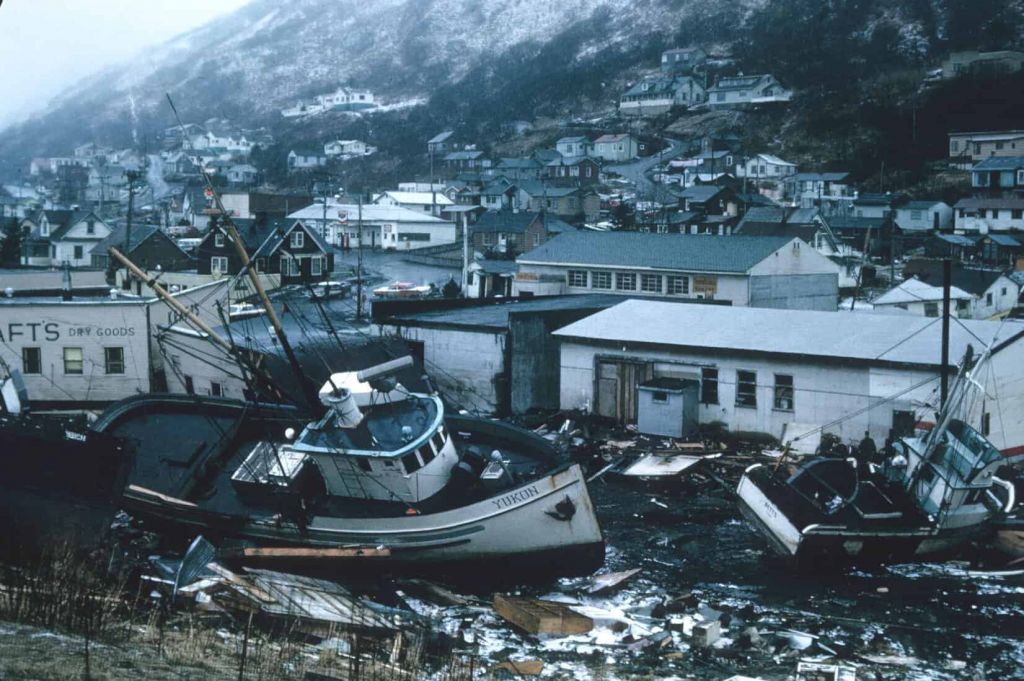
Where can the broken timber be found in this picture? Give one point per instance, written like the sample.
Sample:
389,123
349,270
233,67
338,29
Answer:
542,617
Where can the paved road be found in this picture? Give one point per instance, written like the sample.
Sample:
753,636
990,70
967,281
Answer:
636,172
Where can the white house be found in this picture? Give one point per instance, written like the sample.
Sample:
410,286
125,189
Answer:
765,167
831,192
984,215
577,145
56,237
924,300
764,271
304,160
656,95
789,372
346,148
734,91
431,203
924,216
376,226
242,174
616,147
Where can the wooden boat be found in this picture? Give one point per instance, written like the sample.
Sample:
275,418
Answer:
404,289
383,468
329,290
62,482
934,494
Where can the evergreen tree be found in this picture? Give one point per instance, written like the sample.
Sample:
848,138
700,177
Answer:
10,247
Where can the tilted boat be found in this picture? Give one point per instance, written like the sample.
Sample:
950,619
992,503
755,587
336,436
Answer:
61,483
384,468
404,289
932,494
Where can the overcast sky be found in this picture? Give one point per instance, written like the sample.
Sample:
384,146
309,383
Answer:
47,45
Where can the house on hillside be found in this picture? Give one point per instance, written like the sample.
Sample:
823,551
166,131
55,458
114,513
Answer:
216,255
973,62
732,91
242,173
967,148
305,159
924,300
765,167
988,215
519,168
656,95
296,253
571,203
442,143
870,205
346,148
499,194
924,215
998,174
56,237
149,248
509,231
682,60
431,203
758,271
994,293
466,160
578,170
577,145
831,192
616,148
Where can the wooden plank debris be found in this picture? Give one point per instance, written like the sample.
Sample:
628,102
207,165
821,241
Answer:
541,617
269,553
609,581
522,667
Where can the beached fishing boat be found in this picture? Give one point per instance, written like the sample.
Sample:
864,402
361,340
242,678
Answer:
404,289
62,482
383,468
932,494
329,290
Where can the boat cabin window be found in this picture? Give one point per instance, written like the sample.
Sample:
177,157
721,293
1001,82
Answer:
426,453
438,439
364,464
411,462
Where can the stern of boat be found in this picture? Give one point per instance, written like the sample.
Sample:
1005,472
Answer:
764,514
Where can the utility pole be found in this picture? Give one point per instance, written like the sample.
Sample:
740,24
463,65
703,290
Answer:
465,257
359,262
132,176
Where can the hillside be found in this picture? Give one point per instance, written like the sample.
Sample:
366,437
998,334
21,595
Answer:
480,66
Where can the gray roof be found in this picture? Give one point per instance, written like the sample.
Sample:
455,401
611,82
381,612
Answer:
994,202
701,192
850,222
440,137
681,252
824,336
509,222
518,163
738,82
820,177
464,155
116,238
958,239
1004,240
495,317
277,237
919,205
1000,163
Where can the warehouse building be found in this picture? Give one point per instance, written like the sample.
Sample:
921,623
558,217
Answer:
789,372
759,271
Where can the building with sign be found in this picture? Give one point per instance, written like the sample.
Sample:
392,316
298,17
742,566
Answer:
96,347
376,226
756,271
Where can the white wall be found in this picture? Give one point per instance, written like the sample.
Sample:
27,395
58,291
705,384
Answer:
1004,297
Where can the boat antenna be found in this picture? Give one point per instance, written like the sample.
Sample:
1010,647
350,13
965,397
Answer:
309,391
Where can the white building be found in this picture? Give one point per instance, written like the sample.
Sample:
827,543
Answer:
765,167
95,348
924,300
733,91
616,148
985,215
388,227
305,160
924,216
347,148
763,271
431,203
769,370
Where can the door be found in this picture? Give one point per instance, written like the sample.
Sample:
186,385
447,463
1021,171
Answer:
617,382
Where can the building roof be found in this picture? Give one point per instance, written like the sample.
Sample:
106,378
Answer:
306,153
527,163
920,205
738,82
1003,240
578,139
999,163
516,222
440,137
680,252
871,199
990,136
914,290
803,334
974,281
277,237
496,316
775,160
701,192
539,188
995,202
616,137
371,213
851,222
958,239
116,238
418,198
471,155
820,177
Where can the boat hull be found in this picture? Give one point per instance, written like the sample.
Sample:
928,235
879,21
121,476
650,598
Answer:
820,544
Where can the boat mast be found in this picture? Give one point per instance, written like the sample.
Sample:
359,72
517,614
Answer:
947,276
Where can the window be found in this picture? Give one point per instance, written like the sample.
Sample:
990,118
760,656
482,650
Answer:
216,390
288,265
1020,177
977,148
1004,291
113,360
650,283
316,266
261,264
190,387
78,253
490,239
73,360
931,309
90,227
746,388
219,263
411,463
986,423
601,280
659,397
577,278
218,239
298,239
1017,214
709,386
954,145
426,454
783,392
364,464
915,215
625,281
999,146
677,285
988,298
31,360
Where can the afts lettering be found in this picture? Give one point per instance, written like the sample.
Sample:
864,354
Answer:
29,331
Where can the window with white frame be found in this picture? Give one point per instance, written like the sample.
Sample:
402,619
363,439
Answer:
677,285
746,388
577,278
298,239
650,283
625,281
316,266
219,263
218,239
602,280
784,392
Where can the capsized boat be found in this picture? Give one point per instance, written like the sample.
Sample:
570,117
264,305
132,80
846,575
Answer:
62,482
383,468
404,289
932,494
